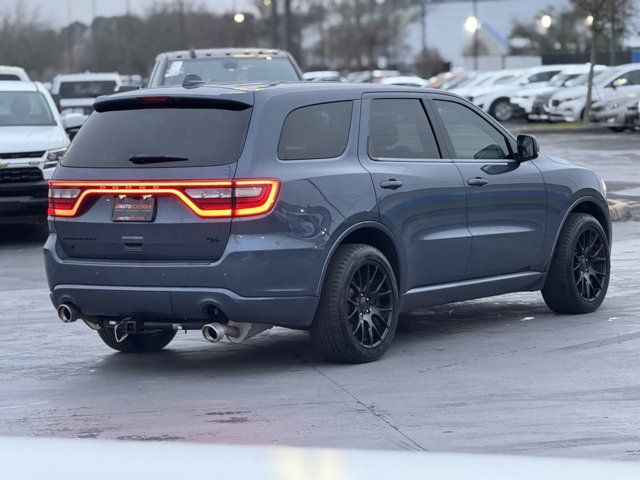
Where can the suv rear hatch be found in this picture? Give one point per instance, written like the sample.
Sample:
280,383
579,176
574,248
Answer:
150,178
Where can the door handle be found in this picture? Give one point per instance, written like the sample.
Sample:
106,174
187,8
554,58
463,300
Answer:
392,183
477,182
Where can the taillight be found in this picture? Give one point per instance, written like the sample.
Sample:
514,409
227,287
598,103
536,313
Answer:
205,198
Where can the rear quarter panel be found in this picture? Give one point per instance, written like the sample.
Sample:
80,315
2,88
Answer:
318,201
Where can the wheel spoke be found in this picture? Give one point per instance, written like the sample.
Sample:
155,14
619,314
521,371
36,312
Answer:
370,304
372,277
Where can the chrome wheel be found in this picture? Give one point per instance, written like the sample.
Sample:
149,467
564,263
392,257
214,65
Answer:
590,264
370,304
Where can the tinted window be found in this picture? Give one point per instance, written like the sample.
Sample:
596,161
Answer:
202,136
24,108
399,128
86,89
542,76
316,131
9,76
628,79
232,69
471,135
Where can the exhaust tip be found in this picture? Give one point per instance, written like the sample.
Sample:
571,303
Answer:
213,332
67,313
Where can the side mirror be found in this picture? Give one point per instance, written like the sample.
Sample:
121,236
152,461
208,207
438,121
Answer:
527,147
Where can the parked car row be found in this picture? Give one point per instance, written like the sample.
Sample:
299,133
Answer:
556,93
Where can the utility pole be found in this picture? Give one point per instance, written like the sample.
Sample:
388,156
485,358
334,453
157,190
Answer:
423,29
181,29
612,33
475,35
287,25
70,38
275,40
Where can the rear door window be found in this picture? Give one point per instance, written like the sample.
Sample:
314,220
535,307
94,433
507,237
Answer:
399,129
160,137
315,132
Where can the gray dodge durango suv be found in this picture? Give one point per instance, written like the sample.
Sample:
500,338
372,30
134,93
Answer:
326,207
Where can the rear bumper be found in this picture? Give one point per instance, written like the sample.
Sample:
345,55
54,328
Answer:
243,284
185,304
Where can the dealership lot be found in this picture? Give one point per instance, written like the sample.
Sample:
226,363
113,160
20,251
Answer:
496,375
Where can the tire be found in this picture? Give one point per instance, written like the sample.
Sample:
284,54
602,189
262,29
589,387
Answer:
501,110
573,283
137,343
617,129
358,311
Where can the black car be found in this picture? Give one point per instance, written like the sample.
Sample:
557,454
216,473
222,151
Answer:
327,207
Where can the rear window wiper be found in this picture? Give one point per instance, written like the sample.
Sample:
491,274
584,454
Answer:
142,159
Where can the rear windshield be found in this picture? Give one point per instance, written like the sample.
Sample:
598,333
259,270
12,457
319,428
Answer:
232,69
161,137
87,89
9,76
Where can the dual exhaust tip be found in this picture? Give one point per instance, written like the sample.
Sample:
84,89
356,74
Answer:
213,332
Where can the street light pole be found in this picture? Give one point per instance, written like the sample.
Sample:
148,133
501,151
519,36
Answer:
275,41
287,25
475,36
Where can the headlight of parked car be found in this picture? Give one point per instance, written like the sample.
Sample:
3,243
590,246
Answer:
571,99
53,157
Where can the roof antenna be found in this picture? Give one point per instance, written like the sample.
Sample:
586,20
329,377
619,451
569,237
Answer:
192,80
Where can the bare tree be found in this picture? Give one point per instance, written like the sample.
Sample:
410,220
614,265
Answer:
601,14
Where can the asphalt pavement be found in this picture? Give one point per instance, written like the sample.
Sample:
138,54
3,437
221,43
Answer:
498,375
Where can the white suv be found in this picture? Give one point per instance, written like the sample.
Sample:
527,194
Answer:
32,141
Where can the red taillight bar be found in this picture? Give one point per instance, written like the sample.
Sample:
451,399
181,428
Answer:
255,196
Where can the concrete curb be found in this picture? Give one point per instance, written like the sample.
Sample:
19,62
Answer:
619,210
533,130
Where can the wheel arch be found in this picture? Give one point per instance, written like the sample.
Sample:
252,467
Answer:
590,205
376,235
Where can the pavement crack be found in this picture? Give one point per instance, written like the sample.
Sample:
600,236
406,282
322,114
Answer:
602,343
369,408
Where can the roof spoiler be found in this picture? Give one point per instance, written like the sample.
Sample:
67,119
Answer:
142,101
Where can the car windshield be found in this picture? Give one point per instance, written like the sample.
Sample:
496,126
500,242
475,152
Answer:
607,75
259,68
560,79
24,109
507,79
87,89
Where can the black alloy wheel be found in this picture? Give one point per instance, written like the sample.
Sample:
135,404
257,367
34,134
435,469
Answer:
590,268
370,304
